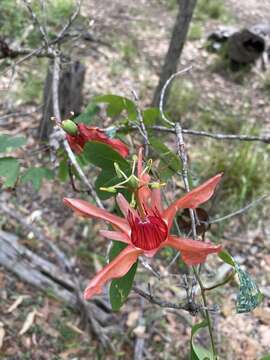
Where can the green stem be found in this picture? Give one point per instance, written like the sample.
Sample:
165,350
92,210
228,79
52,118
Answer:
225,281
206,311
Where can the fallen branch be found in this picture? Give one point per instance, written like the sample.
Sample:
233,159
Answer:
47,277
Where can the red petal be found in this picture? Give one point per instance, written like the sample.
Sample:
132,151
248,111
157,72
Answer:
193,252
119,146
192,199
156,200
115,235
124,205
96,134
83,208
115,269
75,142
144,193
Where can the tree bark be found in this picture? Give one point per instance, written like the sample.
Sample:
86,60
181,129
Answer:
70,96
178,38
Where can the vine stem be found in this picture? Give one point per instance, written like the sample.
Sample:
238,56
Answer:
207,316
182,153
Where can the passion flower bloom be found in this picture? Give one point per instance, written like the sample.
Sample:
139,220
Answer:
87,133
146,230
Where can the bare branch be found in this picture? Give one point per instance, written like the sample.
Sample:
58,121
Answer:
184,159
180,142
192,308
240,211
19,114
141,127
56,109
42,29
64,30
217,136
163,91
15,53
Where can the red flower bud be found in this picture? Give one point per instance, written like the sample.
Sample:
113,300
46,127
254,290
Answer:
86,133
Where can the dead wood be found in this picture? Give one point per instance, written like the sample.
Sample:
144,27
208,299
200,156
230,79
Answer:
46,276
244,46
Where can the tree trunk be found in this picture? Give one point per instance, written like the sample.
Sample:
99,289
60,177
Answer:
70,96
179,34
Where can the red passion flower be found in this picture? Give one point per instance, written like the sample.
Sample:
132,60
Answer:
147,229
87,133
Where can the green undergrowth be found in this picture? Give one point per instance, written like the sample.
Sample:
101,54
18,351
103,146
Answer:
205,9
236,73
266,83
195,31
31,85
211,9
16,22
217,116
246,167
183,98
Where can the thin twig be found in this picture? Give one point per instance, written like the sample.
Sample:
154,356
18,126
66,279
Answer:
14,53
56,109
65,28
20,113
217,136
192,308
141,127
240,211
42,29
163,91
181,150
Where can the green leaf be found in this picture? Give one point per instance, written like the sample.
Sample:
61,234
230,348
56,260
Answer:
226,257
198,352
266,357
120,288
106,179
103,156
88,115
9,170
249,296
169,162
35,175
8,143
117,104
151,116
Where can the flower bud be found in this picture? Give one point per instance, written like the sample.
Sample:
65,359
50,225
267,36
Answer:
156,185
108,189
69,127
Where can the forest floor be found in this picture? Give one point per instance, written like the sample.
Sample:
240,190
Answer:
213,98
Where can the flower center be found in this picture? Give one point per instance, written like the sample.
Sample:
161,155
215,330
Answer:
147,233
